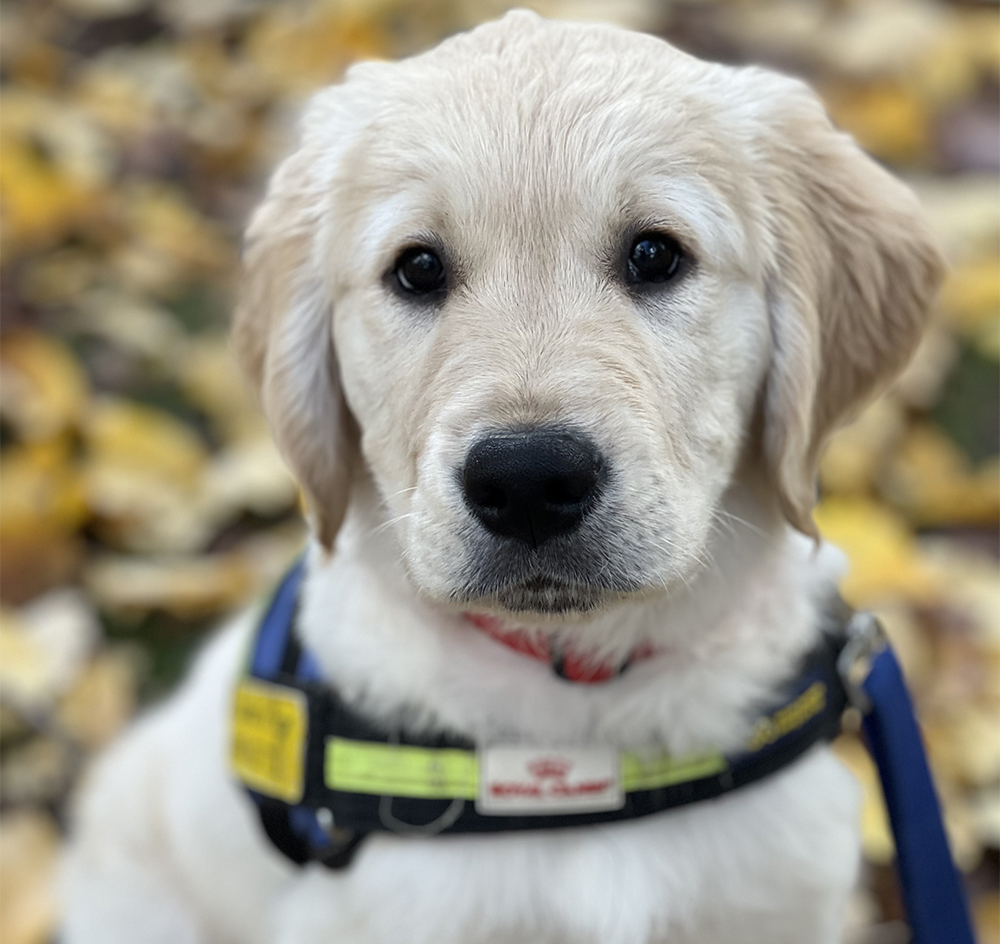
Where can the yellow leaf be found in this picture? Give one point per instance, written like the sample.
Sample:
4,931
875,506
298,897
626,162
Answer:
972,742
987,914
186,587
41,488
884,562
113,99
102,700
298,51
43,646
932,481
971,295
54,167
144,440
41,204
43,390
29,846
979,36
167,225
209,377
857,452
137,511
24,664
887,117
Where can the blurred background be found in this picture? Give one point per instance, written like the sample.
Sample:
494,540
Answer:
142,499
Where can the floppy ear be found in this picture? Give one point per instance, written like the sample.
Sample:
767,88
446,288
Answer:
852,272
283,331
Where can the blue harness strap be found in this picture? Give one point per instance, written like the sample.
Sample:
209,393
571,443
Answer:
276,625
932,888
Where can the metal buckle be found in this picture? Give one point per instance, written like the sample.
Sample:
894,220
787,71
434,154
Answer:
865,640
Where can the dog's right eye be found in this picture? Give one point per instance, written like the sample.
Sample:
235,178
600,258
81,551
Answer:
420,271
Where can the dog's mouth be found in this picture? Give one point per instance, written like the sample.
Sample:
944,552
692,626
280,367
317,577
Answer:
594,567
543,594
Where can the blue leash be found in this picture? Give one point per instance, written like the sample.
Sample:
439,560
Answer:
932,888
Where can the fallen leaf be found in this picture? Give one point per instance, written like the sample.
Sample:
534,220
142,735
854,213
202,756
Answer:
43,647
208,375
102,699
186,587
970,298
167,231
54,166
964,214
986,909
249,476
857,452
43,390
300,48
138,511
886,116
28,861
884,562
140,439
44,503
38,772
933,482
136,324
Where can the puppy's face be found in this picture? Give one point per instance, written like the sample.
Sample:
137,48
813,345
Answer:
550,331
557,274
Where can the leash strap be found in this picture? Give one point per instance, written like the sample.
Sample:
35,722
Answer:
932,888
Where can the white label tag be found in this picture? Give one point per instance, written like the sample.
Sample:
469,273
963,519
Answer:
519,781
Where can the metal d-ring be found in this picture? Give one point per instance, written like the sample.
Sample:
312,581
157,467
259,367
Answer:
435,826
446,819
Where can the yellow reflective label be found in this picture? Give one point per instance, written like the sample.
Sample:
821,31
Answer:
790,718
400,770
431,773
654,769
268,738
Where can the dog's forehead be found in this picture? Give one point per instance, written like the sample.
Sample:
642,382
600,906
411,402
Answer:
550,103
525,127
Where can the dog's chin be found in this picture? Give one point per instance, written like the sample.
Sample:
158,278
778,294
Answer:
542,596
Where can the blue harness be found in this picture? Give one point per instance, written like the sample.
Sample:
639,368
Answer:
287,718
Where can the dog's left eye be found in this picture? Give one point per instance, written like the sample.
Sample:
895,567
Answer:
654,257
420,271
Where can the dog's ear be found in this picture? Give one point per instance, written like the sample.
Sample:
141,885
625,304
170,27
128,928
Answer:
283,331
852,272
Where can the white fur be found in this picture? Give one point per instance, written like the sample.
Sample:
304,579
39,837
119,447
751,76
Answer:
171,851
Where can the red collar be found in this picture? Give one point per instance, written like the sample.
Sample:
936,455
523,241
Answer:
570,665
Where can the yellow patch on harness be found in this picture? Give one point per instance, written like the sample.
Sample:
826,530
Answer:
654,769
268,737
790,718
400,770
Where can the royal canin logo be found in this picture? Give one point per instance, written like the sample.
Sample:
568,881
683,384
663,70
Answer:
546,767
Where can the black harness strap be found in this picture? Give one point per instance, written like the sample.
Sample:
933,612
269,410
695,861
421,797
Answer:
328,825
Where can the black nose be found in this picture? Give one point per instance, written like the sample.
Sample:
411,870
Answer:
532,486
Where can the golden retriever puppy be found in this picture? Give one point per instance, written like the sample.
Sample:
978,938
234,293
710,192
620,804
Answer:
551,324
